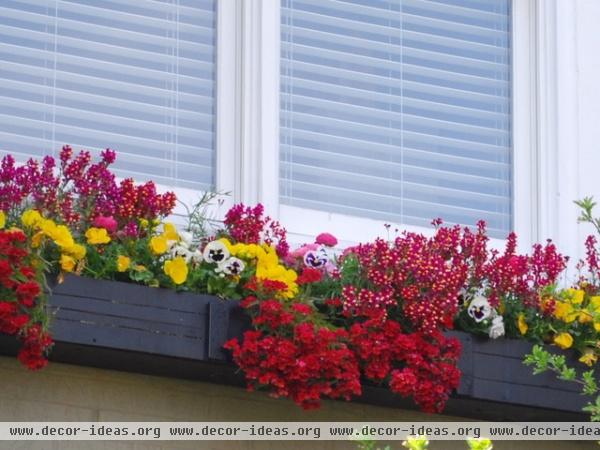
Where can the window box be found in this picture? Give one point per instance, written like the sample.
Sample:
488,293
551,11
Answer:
122,326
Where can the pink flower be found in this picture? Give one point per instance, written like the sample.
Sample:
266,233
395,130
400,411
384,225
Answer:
327,239
299,253
107,222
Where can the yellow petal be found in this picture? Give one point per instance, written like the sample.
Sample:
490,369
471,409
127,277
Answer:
523,327
158,244
563,340
31,218
576,295
170,232
123,263
67,263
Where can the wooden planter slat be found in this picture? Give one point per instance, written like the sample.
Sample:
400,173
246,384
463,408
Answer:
115,309
129,327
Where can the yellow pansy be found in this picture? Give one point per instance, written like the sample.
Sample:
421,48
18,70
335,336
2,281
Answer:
589,357
158,244
564,311
2,219
576,296
31,218
170,232
77,251
523,327
176,269
97,236
67,263
123,263
563,340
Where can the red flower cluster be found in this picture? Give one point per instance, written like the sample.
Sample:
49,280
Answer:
523,276
20,307
309,275
80,190
419,365
249,225
294,357
418,276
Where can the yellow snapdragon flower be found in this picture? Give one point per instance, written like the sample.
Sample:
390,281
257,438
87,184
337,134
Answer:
2,219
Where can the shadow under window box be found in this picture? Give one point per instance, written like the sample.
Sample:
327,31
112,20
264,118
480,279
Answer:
134,328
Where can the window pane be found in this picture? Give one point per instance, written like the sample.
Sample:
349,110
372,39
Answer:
138,77
399,110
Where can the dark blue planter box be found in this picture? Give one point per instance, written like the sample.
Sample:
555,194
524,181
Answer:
128,327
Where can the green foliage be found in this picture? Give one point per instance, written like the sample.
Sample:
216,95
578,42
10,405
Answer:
587,205
369,444
422,443
200,221
542,361
479,444
416,443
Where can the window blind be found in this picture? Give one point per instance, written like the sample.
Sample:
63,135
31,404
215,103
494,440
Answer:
135,76
398,110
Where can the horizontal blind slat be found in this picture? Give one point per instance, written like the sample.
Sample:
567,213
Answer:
137,77
398,109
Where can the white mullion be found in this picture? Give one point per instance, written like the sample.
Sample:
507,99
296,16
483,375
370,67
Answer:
525,123
260,104
227,102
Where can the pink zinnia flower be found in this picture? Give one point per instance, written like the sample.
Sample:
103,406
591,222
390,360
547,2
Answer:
109,223
327,239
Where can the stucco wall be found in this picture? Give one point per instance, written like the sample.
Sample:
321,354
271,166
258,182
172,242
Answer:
71,393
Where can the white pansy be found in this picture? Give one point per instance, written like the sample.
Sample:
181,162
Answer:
215,252
186,237
479,309
497,328
231,266
183,251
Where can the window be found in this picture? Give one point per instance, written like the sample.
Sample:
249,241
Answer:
135,76
398,110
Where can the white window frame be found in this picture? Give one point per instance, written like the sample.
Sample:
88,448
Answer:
227,105
259,132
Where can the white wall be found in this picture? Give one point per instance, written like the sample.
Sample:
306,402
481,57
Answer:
569,150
